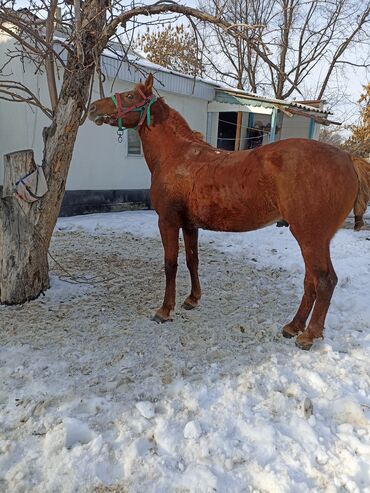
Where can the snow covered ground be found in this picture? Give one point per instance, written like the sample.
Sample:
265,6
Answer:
95,397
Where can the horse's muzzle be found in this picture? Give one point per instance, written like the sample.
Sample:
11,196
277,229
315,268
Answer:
93,115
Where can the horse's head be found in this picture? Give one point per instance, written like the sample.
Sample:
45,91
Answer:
126,109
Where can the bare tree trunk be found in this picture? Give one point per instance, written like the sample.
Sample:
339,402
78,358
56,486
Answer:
27,228
23,254
27,231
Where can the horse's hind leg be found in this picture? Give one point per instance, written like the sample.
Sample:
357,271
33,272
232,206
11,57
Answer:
316,255
170,239
191,250
298,324
325,282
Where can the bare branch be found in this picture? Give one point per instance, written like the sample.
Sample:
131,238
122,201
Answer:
49,62
80,52
17,92
300,37
36,44
341,49
353,64
162,7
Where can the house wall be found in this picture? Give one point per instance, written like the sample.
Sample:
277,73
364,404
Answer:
295,126
20,124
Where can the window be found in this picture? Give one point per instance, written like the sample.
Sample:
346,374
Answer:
133,143
227,123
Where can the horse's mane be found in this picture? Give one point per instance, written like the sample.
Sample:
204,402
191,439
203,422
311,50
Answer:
163,112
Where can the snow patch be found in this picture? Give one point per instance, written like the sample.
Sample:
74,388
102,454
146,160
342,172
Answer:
192,430
146,409
348,411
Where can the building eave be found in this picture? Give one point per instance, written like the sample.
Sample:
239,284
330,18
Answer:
245,98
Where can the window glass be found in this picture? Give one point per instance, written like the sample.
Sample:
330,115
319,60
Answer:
133,143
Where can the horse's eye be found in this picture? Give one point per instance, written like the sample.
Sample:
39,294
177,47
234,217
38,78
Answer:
129,96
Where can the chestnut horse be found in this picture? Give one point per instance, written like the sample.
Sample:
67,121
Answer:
311,185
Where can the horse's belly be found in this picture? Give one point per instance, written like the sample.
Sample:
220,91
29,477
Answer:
232,219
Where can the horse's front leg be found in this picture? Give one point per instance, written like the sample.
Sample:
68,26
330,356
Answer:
170,239
191,250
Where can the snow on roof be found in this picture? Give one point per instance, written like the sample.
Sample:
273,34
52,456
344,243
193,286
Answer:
239,95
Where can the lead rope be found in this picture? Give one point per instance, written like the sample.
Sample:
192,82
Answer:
118,104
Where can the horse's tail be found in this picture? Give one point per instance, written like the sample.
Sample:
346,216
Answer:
362,168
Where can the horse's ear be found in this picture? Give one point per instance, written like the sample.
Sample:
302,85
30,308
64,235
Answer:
148,85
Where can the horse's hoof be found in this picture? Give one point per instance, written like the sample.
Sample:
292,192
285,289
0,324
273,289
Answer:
289,331
303,344
287,334
189,306
160,320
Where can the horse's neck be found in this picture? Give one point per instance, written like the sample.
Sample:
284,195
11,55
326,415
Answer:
166,134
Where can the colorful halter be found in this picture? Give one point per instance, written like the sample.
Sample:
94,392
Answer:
143,108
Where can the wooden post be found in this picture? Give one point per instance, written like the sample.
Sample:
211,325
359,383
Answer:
238,130
272,133
23,252
16,165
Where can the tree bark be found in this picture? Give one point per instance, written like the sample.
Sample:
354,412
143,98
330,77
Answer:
23,252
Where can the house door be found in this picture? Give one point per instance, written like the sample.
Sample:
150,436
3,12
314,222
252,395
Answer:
227,123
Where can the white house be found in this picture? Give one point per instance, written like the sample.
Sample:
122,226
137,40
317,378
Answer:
108,175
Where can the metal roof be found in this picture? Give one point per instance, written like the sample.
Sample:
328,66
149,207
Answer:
135,68
249,99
